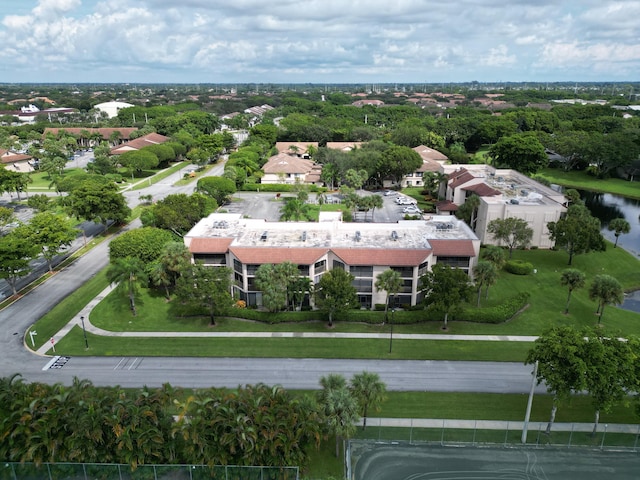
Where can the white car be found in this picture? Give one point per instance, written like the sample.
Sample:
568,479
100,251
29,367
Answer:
390,193
405,201
411,209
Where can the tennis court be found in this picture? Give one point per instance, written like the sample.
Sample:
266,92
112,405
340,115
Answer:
376,461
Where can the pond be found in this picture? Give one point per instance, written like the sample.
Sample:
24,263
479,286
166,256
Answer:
606,207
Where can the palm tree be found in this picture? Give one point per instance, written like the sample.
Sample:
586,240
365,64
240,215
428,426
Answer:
485,274
389,281
160,277
369,391
619,226
339,406
605,289
571,278
128,273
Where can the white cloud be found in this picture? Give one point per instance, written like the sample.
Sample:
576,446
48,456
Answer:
295,40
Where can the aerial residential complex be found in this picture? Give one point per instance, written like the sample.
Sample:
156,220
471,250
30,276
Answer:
364,249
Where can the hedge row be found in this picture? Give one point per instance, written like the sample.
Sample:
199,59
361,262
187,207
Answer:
518,267
498,314
277,188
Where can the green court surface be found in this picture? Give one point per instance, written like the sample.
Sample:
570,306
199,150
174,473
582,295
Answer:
376,461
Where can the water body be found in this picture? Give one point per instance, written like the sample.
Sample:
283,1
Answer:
606,207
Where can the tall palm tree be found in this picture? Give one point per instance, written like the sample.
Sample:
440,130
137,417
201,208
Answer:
484,274
128,273
606,290
619,226
571,278
389,281
369,391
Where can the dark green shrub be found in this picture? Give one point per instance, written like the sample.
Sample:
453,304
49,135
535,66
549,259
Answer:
518,267
379,307
499,313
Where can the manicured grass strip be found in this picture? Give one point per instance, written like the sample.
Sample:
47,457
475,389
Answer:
584,181
493,406
73,344
60,315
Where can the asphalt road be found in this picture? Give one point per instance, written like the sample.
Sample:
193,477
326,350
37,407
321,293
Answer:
230,372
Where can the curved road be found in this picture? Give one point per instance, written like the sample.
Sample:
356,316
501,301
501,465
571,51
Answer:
412,375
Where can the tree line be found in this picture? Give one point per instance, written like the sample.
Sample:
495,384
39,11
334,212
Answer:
250,425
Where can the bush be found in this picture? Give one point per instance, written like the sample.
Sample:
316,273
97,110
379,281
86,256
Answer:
499,313
278,187
379,307
518,267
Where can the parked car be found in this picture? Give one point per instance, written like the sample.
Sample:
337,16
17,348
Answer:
405,201
390,193
412,209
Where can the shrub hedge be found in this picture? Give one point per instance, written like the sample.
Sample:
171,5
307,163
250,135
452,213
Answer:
498,314
518,267
278,188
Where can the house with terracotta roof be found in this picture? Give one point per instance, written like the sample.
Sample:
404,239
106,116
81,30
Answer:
344,146
432,161
365,250
94,135
16,162
140,142
503,193
290,169
299,149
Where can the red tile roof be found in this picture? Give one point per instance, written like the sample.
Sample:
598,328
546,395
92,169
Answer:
260,255
12,157
460,178
210,245
446,206
140,142
378,256
482,190
453,248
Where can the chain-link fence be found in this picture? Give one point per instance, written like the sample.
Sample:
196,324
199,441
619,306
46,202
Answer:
93,471
478,432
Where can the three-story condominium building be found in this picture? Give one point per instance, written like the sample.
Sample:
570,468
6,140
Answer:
365,250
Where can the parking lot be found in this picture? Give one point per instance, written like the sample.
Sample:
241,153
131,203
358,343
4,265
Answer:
267,206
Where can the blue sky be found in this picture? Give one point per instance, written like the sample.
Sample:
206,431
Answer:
318,41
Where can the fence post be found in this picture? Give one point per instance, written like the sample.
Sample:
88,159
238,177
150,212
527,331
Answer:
603,435
411,433
475,428
571,435
506,434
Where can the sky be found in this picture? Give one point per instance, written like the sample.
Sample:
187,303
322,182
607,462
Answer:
318,41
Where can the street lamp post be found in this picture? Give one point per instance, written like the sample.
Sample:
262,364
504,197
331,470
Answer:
393,311
84,332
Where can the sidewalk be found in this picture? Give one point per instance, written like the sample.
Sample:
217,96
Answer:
399,336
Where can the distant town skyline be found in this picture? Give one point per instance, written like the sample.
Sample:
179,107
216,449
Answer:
318,41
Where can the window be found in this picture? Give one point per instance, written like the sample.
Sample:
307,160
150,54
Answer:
406,287
252,269
237,277
320,266
210,258
418,174
237,265
303,270
363,285
423,268
338,264
251,283
365,301
361,271
459,262
405,272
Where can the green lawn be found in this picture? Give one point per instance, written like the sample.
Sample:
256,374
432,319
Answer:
583,181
